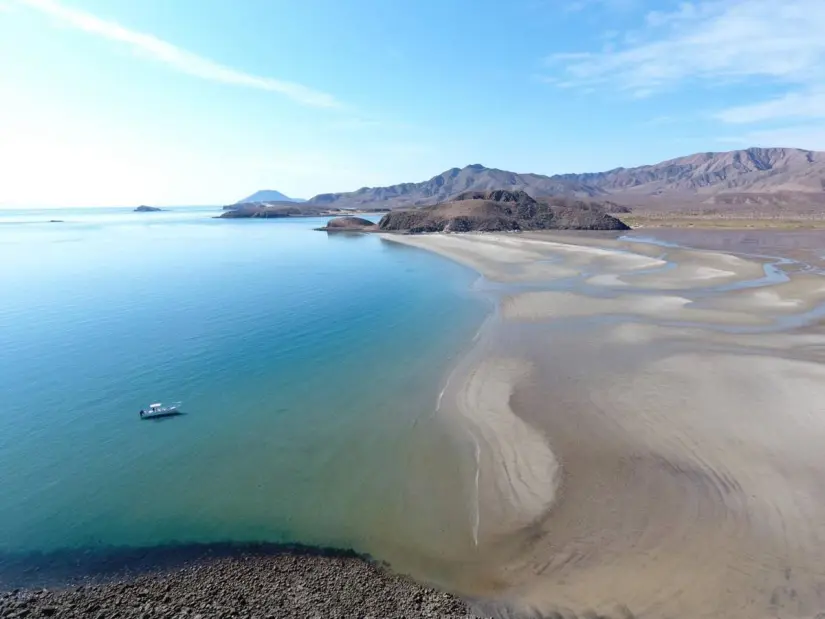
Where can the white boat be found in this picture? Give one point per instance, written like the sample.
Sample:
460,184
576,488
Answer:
159,410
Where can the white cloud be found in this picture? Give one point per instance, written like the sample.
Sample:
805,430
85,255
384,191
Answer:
792,105
780,42
175,57
808,136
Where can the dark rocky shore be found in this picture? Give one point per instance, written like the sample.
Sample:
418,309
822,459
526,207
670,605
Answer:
291,583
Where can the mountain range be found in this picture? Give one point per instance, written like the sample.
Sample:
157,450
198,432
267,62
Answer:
754,179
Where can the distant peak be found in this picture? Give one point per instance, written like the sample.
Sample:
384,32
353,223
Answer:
475,166
269,195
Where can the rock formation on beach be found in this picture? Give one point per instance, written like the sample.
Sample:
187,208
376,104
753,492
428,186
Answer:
349,224
284,585
501,210
147,209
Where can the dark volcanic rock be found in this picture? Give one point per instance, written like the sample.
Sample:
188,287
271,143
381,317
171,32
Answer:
501,210
349,224
497,195
147,209
287,207
266,212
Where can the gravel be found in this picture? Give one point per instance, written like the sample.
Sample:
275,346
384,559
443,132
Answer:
259,586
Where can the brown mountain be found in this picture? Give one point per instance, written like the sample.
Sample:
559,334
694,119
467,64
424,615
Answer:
755,170
757,176
449,184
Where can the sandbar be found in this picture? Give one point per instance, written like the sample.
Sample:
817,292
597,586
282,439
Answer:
668,456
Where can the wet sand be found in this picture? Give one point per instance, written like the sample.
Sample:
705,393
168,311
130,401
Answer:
649,424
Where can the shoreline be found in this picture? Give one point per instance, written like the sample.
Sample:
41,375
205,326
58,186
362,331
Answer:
218,580
649,366
634,451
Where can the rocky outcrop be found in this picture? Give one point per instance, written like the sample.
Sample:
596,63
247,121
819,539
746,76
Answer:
349,224
252,211
147,209
501,210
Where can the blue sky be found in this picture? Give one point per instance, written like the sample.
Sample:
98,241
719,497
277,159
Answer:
117,102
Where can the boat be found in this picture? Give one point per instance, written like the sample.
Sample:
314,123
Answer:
159,410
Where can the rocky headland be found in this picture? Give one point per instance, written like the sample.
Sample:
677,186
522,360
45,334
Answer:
500,211
349,224
248,211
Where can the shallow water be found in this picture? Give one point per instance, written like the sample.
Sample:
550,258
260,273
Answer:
681,393
309,366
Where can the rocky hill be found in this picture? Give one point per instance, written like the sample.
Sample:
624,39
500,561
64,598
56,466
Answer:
501,210
449,184
349,224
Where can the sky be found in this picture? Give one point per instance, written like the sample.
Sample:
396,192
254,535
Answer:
185,102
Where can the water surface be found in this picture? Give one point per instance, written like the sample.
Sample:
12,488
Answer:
308,365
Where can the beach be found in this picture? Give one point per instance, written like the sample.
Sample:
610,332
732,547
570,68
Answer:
249,582
634,429
648,421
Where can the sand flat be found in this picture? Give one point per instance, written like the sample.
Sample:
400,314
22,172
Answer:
689,457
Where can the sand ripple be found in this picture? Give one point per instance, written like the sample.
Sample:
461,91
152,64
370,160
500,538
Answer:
657,452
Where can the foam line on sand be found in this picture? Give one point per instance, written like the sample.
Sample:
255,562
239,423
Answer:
516,472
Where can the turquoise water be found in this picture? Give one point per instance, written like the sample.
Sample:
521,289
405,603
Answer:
308,365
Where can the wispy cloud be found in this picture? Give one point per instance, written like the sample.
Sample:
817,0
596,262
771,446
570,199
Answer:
810,136
175,57
780,42
575,6
798,105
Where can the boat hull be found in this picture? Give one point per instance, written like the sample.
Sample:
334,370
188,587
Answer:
161,414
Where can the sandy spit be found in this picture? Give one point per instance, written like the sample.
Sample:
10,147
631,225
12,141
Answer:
688,453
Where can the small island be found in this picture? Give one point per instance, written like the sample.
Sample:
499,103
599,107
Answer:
147,209
348,224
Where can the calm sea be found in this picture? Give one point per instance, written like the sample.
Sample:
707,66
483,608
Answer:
309,366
